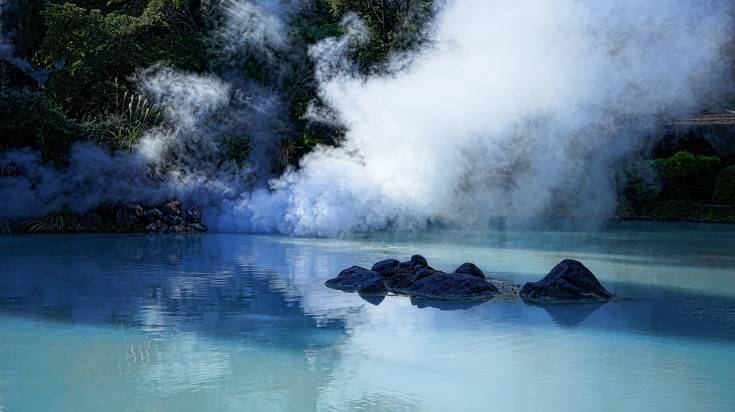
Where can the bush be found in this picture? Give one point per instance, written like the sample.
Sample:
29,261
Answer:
29,119
725,185
236,148
687,174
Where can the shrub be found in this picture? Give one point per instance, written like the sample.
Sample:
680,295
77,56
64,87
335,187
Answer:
29,119
725,185
236,148
688,174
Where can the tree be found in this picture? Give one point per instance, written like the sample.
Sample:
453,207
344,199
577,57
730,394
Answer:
725,185
107,45
687,174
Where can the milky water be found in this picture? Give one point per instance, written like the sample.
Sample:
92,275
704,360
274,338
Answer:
238,322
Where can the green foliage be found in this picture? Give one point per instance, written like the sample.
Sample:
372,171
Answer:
316,23
638,192
23,18
104,46
30,119
287,149
62,221
687,174
124,128
236,148
725,185
396,25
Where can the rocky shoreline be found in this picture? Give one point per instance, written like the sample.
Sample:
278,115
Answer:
168,217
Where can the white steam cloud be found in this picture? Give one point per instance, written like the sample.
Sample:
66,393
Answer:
516,112
520,111
256,24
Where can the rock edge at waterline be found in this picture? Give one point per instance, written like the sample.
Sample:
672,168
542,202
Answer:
568,281
169,217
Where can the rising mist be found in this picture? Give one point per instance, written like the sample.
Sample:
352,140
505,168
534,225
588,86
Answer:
513,112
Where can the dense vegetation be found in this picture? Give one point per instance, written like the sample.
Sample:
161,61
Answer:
86,53
90,49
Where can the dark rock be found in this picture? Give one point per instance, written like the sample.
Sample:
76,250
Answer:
172,220
157,227
90,222
177,229
351,279
471,269
172,207
195,227
400,280
373,286
108,218
405,265
387,265
570,280
151,215
127,217
451,286
419,260
422,272
193,215
389,273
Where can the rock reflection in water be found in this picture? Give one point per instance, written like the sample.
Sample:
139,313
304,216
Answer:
568,314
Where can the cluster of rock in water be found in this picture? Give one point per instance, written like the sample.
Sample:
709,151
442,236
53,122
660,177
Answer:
570,280
169,217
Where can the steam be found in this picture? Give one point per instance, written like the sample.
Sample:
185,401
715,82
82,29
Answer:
517,112
256,24
7,49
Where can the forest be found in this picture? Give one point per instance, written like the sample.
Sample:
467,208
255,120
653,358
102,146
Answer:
69,73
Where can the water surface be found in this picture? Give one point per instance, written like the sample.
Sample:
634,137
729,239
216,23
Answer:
241,322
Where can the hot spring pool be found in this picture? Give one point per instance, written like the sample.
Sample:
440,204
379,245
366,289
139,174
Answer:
238,322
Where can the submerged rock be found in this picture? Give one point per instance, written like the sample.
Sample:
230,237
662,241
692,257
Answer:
352,279
570,280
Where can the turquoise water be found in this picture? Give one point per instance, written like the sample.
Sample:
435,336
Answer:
231,322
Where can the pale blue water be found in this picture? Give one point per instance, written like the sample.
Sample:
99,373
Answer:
224,322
